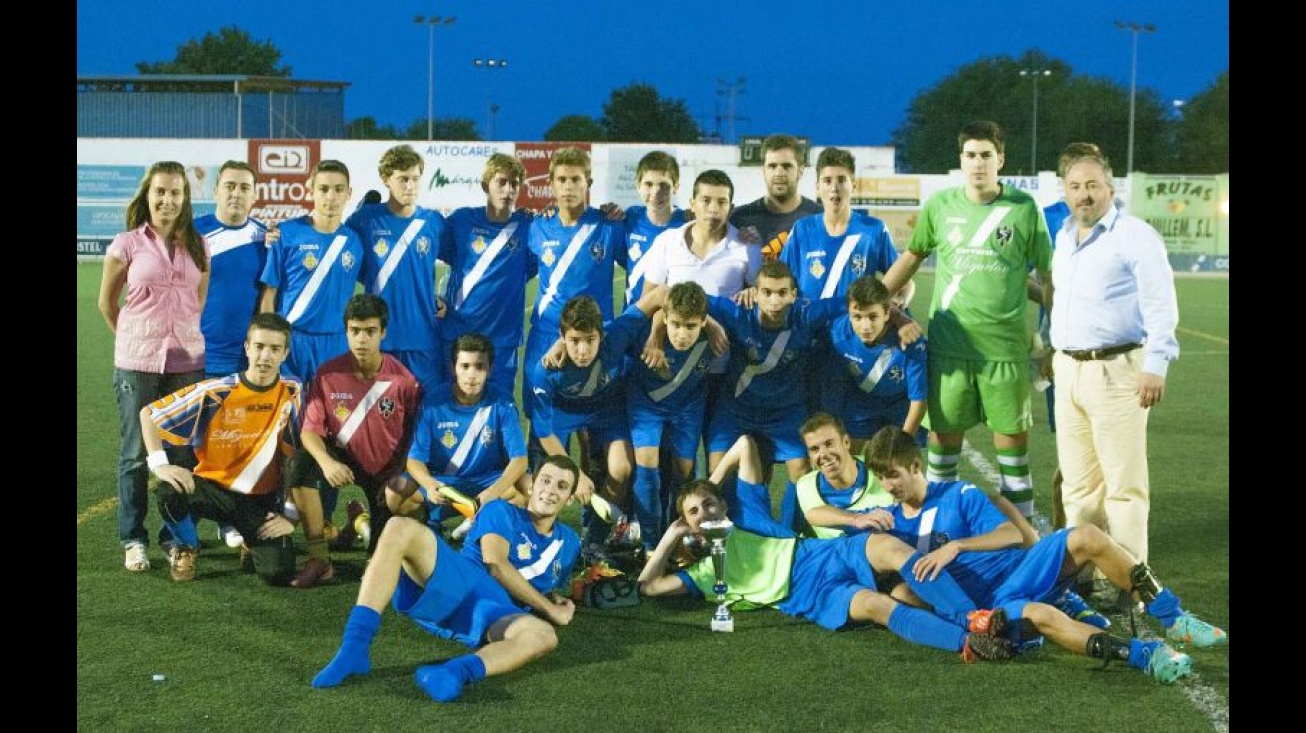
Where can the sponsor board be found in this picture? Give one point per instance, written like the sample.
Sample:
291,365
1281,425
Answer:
283,167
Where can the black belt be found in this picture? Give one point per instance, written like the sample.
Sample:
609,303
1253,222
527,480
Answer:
1095,354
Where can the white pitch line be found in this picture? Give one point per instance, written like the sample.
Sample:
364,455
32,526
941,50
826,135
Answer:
981,463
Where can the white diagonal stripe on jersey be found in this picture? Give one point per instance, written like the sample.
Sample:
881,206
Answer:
483,264
225,240
265,454
592,382
878,369
990,223
772,358
925,529
541,564
686,369
634,277
469,439
360,413
836,268
397,254
573,247
319,274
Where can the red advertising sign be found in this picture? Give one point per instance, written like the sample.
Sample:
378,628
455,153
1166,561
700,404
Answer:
537,194
283,168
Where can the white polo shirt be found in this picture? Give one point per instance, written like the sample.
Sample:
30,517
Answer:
730,266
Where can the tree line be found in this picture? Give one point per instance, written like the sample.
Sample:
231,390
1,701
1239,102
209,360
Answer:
1193,138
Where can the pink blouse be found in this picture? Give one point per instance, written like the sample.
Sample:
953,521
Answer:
159,325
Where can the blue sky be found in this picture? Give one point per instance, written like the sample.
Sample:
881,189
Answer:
841,73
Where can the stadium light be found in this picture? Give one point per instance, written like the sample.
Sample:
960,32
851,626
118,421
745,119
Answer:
431,23
490,107
1033,147
1135,29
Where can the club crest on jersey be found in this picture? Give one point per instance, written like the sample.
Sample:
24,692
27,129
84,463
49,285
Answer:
938,539
955,236
449,440
548,258
310,260
386,407
487,435
635,251
478,244
596,251
895,373
817,269
1003,235
347,261
858,265
341,412
512,244
753,354
524,550
381,247
423,245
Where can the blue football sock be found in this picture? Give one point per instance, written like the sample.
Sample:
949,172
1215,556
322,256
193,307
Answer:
648,505
1137,647
789,506
752,511
445,682
943,593
1165,608
922,627
183,531
353,657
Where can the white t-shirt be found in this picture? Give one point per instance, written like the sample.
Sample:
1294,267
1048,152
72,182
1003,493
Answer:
730,266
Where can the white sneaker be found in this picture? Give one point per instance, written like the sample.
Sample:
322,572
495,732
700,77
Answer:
136,560
230,536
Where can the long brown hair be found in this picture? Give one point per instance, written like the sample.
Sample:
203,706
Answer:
184,231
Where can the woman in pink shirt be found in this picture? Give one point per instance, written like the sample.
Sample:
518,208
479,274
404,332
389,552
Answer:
163,263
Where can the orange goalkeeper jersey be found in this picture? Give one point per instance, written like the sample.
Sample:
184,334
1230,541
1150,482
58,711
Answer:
236,430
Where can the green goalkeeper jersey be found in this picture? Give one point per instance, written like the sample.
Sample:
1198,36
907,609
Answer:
757,570
985,252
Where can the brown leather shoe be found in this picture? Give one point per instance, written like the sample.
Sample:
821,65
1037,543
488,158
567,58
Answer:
314,573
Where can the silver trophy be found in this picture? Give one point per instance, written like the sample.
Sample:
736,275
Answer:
717,530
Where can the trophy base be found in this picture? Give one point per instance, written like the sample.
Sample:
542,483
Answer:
723,624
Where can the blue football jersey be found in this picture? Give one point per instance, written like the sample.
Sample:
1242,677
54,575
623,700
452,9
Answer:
574,260
954,510
545,561
881,377
581,390
314,274
399,255
640,233
473,442
768,368
489,265
238,255
825,266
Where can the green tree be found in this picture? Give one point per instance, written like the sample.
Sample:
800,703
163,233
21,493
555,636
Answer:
576,128
636,114
1070,108
229,51
1202,132
445,128
366,128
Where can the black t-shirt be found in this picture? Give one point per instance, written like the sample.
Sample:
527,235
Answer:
774,228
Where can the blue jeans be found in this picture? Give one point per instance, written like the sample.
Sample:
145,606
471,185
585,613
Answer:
133,391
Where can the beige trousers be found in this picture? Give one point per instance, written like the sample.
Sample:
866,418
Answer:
1102,446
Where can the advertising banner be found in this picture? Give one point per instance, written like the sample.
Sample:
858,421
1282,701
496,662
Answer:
535,157
877,191
283,167
1183,209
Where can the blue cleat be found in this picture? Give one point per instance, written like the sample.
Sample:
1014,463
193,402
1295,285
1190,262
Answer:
1164,664
1074,606
1188,629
